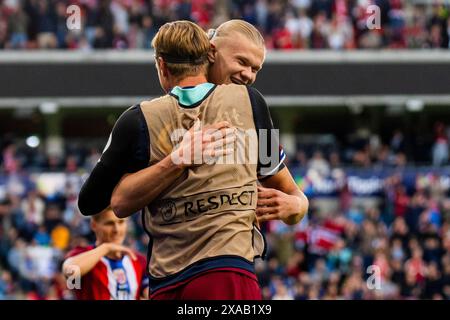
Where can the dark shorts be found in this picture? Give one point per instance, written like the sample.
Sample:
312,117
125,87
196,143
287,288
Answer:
214,285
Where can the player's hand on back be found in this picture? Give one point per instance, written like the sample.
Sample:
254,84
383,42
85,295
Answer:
204,144
275,205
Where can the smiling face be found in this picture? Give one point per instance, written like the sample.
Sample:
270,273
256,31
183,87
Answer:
235,59
108,228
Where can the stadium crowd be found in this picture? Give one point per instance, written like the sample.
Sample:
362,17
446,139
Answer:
396,247
285,24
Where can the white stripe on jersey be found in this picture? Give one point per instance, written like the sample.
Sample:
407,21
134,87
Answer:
131,276
283,156
112,284
106,146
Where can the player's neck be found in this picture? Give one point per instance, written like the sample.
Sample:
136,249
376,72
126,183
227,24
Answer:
191,81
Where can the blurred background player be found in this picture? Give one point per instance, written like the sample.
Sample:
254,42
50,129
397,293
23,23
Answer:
108,270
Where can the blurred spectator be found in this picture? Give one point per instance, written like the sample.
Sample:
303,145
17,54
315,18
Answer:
319,164
60,237
440,147
17,26
10,162
33,209
46,25
281,292
41,237
401,201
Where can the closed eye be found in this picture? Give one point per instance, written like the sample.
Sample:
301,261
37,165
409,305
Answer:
244,63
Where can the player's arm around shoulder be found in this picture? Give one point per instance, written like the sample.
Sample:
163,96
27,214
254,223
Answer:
279,197
136,190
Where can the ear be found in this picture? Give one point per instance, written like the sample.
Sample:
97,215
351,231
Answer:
162,67
93,225
212,53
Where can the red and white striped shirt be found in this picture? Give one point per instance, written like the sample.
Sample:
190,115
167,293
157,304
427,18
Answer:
123,279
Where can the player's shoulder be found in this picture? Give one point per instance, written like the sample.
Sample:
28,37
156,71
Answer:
140,263
160,101
131,113
130,118
246,89
254,93
231,86
236,91
141,259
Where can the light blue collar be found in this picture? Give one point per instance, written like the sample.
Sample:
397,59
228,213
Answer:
192,96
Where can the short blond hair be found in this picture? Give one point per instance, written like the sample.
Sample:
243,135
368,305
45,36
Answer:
184,47
227,29
96,217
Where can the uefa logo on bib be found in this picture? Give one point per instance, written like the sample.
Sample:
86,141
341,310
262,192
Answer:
168,210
